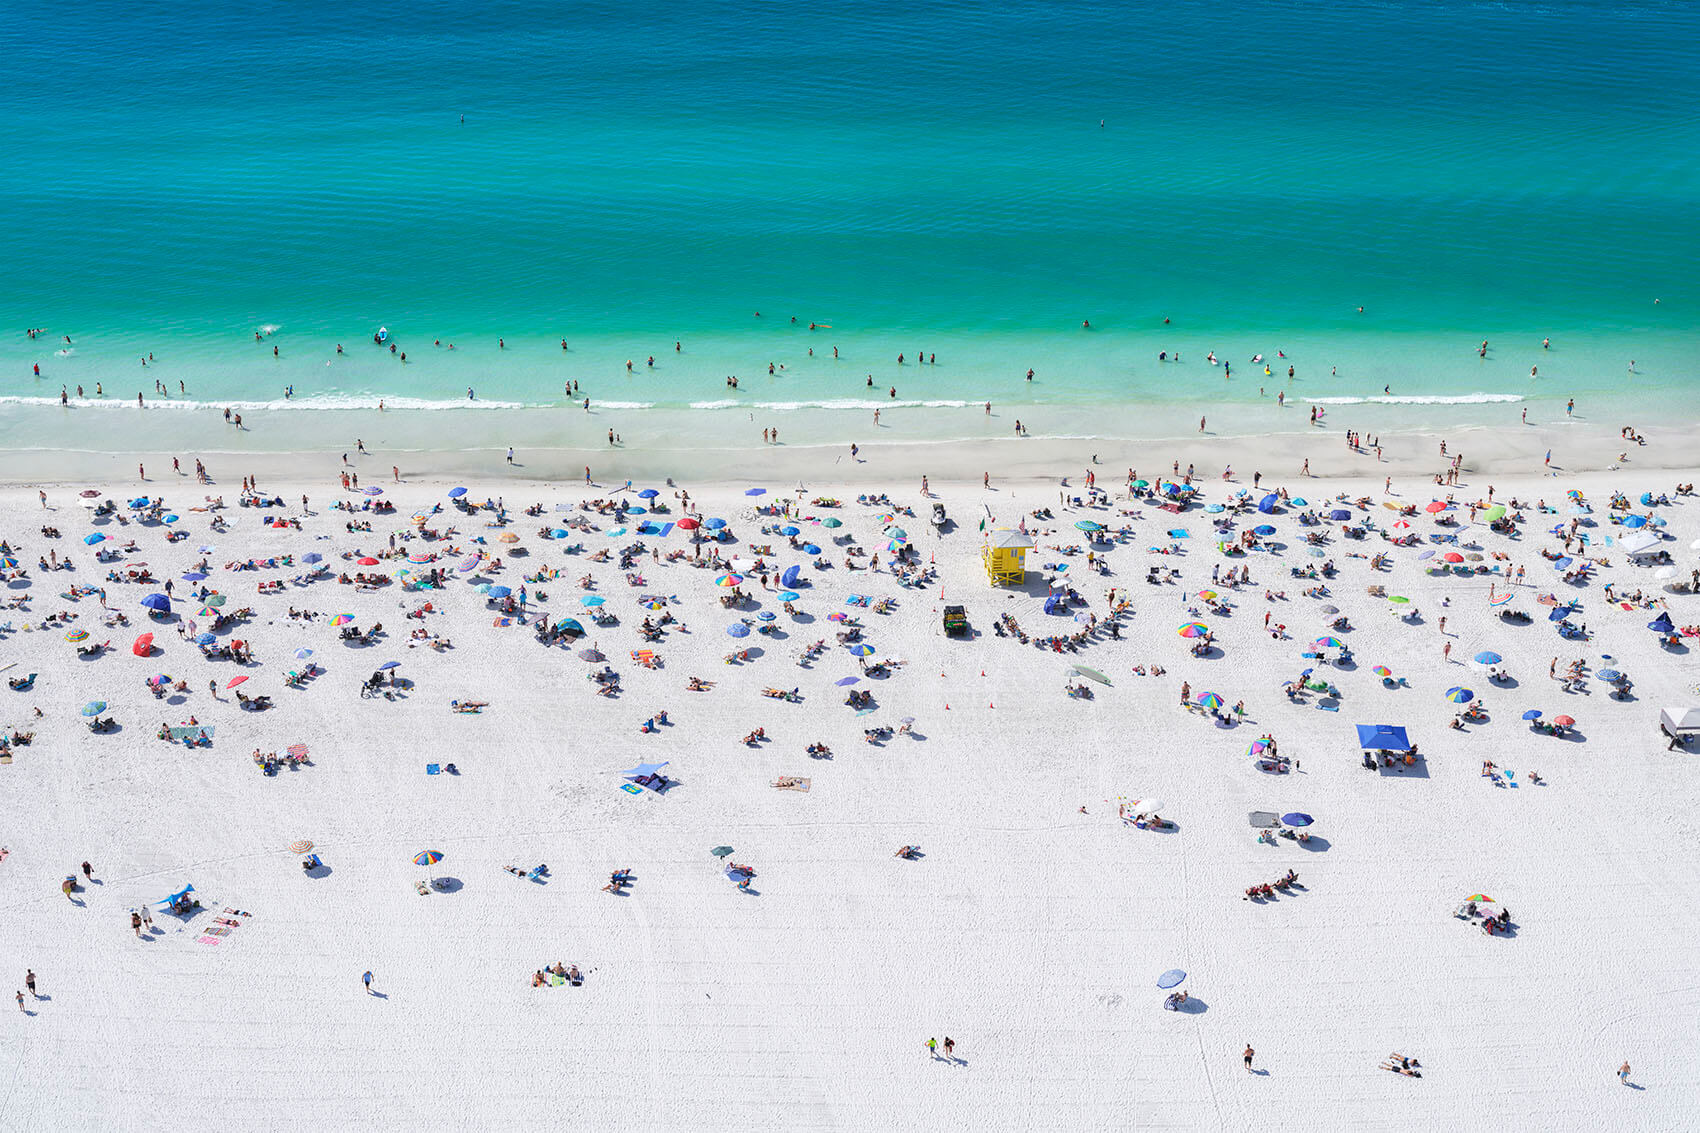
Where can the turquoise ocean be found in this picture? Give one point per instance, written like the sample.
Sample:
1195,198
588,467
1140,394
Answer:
972,182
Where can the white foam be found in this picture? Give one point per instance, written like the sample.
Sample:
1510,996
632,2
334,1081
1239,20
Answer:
1398,399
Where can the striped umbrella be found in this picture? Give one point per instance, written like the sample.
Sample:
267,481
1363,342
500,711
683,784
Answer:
77,635
1193,629
729,580
1210,700
1457,694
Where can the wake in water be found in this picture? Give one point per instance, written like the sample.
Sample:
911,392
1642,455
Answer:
1419,399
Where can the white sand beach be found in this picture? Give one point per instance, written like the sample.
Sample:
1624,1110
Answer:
1036,918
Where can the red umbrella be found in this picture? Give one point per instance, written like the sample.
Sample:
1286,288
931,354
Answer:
368,561
689,523
234,681
1564,721
1435,507
143,646
1453,557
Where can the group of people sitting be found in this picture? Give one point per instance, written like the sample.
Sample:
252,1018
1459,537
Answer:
540,978
1267,890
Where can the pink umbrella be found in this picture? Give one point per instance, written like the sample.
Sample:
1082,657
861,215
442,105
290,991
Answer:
234,681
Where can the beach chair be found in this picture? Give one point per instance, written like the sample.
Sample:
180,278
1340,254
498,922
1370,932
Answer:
432,769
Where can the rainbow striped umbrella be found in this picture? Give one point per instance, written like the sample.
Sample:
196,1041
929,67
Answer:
1193,629
1210,700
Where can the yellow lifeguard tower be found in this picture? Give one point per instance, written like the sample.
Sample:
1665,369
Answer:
1005,555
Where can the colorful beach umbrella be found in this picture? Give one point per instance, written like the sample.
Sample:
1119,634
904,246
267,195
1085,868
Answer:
729,580
1459,695
77,635
1210,700
1382,671
737,629
1193,629
862,650
94,708
1487,657
1328,643
342,619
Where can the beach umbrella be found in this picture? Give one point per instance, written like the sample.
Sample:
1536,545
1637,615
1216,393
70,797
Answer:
1171,978
837,616
204,639
790,529
846,682
721,851
1193,629
862,649
427,857
1459,695
1532,714
1564,721
303,653
367,560
297,750
558,533
591,600
788,595
1661,624
1382,671
302,846
499,591
342,619
419,558
1558,613
1610,675
1634,521
193,576
157,602
456,493
1207,595
689,523
373,491
1494,513
159,679
729,580
1452,557
1079,525
1299,501
653,603
509,537
1435,507
812,549
208,612
1264,529
1142,483
1258,747
1487,658
97,537
1297,818
737,629
1500,599
1210,700
216,600
234,681
390,665
755,491
1214,509
1148,806
590,655
1091,673
1481,899
143,645
94,708
77,635
1339,514
714,523
1328,643
648,494
468,563
832,521
309,558
767,615
8,562
1402,525
1398,599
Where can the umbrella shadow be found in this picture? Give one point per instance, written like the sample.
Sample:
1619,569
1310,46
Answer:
447,884
1316,844
1192,1006
1417,770
755,651
320,870
802,618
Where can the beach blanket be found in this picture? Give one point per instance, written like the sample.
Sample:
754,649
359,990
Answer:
208,940
792,783
191,731
631,788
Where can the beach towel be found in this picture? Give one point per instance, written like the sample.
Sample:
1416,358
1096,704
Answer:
209,940
631,788
432,769
557,981
499,622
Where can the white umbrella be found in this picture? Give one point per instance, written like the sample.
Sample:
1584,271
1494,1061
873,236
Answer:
1665,572
1148,806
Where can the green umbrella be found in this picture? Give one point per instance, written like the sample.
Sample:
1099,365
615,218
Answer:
1398,599
832,521
721,851
216,600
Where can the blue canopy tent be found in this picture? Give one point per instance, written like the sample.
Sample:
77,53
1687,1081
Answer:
790,575
179,900
1383,737
1268,503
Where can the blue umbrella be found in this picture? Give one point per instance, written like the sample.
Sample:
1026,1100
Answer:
643,770
1214,509
94,708
1634,521
788,595
738,629
810,549
1264,529
767,615
1487,658
591,600
1297,818
755,491
1661,624
500,591
790,529
204,639
1339,513
193,576
390,665
558,533
861,650
1268,503
456,493
1532,714
714,523
1558,613
1299,501
648,494
790,576
1609,675
157,602
91,540
1383,736
1459,695
312,557
1171,978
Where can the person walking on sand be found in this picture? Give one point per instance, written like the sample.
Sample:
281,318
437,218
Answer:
367,980
21,1003
1446,653
136,922
29,982
932,1045
1248,1053
1201,424
950,1048
1623,1072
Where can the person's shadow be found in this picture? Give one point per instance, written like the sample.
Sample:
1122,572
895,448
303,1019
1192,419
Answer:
1261,1073
1631,1085
376,994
